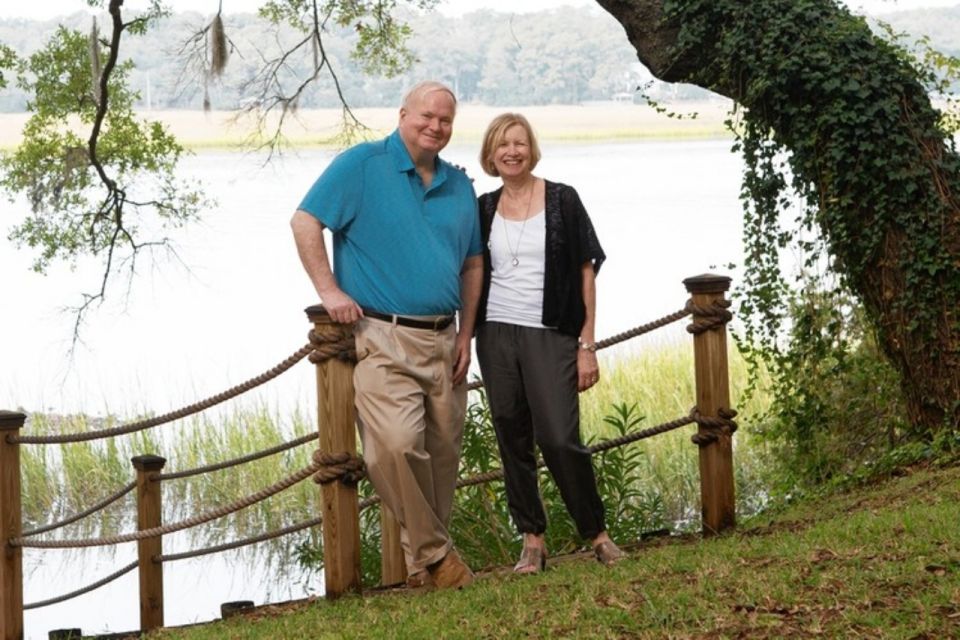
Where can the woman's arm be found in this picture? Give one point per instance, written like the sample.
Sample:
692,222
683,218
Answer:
588,369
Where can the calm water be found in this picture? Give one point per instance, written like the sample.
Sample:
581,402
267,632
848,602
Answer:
663,212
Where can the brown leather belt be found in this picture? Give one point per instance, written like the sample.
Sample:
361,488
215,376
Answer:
439,324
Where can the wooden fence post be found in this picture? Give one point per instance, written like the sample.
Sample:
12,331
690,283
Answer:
713,398
11,564
149,515
336,421
393,566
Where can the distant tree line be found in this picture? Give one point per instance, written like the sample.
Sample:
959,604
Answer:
562,56
558,56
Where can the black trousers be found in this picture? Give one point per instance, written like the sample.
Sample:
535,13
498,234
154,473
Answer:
531,380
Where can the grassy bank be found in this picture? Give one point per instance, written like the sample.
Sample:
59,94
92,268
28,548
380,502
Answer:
878,562
320,127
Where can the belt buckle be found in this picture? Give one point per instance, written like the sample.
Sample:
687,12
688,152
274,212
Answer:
437,322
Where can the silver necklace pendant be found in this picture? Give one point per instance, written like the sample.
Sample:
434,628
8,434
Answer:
516,262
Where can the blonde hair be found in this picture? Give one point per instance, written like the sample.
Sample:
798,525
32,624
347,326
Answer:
497,131
421,89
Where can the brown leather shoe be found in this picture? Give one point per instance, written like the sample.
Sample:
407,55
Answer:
420,580
451,572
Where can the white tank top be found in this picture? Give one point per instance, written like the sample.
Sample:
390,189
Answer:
517,256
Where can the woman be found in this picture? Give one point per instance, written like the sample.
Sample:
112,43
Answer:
535,336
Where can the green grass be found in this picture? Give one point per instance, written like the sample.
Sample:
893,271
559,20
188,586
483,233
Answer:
876,562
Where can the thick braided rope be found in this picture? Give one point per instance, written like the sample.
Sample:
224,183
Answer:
497,474
620,337
714,316
339,345
712,428
83,514
177,526
343,466
232,463
79,592
644,328
270,374
640,435
236,544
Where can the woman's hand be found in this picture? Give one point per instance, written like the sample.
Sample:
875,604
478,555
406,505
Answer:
588,370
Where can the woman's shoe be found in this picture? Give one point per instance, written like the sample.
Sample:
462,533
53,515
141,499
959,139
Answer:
608,553
532,560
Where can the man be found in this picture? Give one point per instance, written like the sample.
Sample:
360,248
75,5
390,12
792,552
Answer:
407,256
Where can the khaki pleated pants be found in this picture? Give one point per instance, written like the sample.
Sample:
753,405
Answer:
411,425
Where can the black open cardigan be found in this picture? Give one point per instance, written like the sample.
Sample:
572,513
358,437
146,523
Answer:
570,242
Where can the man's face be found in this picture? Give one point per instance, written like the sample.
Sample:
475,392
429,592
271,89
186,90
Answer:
426,123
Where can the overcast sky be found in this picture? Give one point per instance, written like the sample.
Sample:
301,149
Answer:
52,8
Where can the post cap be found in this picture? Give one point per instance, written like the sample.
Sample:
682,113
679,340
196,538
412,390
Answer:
707,283
148,462
10,420
317,313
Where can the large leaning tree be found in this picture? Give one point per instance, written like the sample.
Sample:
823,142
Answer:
839,116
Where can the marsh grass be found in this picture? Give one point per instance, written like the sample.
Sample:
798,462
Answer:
586,123
656,381
61,480
650,485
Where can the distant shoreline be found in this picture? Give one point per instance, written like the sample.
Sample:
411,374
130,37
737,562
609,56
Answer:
588,123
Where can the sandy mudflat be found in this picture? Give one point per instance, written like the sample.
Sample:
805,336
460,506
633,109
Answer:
595,122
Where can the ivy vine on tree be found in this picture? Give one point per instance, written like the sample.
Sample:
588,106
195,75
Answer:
840,119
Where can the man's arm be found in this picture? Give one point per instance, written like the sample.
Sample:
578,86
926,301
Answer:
471,282
308,235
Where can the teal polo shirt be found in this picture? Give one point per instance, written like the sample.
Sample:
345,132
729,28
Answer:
397,247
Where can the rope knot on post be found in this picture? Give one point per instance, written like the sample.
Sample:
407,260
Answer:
343,466
339,345
713,428
706,318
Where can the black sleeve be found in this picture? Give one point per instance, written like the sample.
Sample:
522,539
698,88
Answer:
587,241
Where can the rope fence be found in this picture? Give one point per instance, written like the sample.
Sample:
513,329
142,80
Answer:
189,410
331,349
236,544
237,461
103,504
154,532
87,589
335,470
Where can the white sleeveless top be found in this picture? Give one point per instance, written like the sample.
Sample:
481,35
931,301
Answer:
517,257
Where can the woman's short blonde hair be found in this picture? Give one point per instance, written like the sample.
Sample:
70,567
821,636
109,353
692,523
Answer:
496,132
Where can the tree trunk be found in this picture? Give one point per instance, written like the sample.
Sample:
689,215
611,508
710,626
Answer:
901,259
